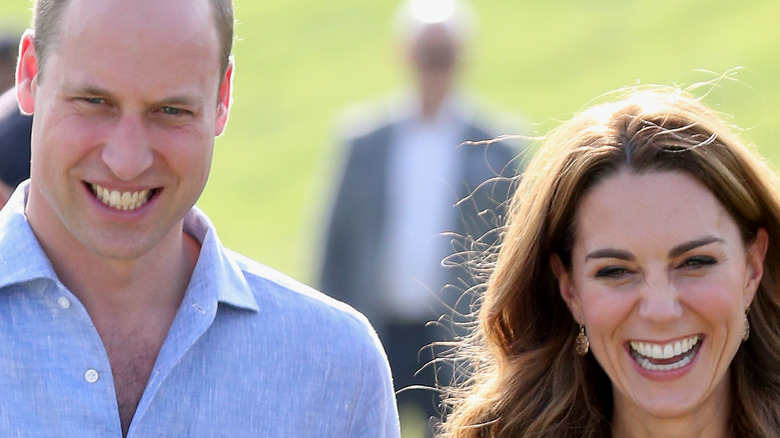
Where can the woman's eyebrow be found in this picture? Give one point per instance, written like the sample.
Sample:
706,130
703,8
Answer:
610,253
678,250
693,244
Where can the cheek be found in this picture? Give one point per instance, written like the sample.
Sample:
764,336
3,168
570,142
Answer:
605,310
188,153
718,299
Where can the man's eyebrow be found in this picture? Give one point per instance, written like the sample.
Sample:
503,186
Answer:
86,89
693,244
610,253
183,99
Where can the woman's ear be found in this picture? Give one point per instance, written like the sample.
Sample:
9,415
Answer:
566,287
756,253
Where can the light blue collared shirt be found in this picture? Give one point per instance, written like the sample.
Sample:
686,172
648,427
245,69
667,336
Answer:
250,353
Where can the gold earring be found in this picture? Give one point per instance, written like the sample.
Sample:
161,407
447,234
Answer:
746,333
583,345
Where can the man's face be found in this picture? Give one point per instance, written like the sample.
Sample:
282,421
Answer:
126,112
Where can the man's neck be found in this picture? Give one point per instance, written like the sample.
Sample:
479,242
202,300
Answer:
120,291
129,294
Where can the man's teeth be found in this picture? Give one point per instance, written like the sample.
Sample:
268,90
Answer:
121,200
646,353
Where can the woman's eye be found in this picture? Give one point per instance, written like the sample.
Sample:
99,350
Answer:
698,262
611,272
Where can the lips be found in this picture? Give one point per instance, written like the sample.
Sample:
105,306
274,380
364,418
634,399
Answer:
667,356
125,200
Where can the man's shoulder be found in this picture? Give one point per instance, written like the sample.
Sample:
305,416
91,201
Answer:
291,298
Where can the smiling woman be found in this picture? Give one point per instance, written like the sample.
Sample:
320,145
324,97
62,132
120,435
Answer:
640,237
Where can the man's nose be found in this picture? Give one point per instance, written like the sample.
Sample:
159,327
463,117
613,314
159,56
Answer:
127,151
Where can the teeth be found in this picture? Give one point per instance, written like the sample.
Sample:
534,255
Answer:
121,200
666,351
646,364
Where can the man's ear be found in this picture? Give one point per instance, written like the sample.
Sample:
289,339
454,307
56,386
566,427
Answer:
566,287
223,100
27,73
756,253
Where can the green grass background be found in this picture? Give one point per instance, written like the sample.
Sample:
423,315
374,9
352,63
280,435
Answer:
300,62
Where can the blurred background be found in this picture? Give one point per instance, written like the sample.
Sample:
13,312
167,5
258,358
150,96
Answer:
299,63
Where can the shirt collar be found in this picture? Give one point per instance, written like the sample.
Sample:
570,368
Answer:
21,256
217,278
217,274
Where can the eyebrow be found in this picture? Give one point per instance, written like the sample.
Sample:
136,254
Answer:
85,89
678,250
693,244
610,253
177,100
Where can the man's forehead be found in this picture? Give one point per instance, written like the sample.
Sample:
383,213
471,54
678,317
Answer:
124,37
136,18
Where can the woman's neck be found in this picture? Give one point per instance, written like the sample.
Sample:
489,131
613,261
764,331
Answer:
708,420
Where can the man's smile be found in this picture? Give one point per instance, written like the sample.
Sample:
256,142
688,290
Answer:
121,200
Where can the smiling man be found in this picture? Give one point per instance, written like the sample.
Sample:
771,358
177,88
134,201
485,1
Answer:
119,308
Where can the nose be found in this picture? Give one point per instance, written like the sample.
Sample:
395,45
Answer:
660,302
127,151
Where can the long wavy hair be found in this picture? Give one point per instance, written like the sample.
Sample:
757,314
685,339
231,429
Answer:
523,377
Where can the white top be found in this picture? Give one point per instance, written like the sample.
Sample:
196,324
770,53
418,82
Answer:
421,196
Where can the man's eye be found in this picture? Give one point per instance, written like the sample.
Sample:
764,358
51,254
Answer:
93,100
171,111
611,272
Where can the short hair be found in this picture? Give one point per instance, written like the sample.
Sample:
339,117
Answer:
48,13
527,379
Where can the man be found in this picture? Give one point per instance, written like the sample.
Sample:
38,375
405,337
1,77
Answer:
413,196
120,312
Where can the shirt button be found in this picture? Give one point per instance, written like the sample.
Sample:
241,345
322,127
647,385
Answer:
91,375
63,302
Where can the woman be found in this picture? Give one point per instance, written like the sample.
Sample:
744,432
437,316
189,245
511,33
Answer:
641,235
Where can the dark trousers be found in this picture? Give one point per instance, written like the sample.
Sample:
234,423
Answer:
410,353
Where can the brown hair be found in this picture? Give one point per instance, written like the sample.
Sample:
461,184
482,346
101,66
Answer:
524,377
47,15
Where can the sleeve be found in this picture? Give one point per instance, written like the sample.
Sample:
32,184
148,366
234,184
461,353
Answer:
376,413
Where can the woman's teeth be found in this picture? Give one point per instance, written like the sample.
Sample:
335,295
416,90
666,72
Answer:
121,200
665,357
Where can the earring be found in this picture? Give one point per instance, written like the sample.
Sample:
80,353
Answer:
583,345
746,333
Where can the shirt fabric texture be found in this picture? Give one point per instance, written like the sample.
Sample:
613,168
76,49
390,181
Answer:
250,353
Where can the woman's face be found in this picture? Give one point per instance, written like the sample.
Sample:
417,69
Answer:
661,278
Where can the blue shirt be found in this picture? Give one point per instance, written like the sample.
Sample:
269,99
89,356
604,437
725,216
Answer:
250,353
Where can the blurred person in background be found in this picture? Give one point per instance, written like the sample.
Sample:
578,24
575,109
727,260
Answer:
15,129
9,44
412,193
14,126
